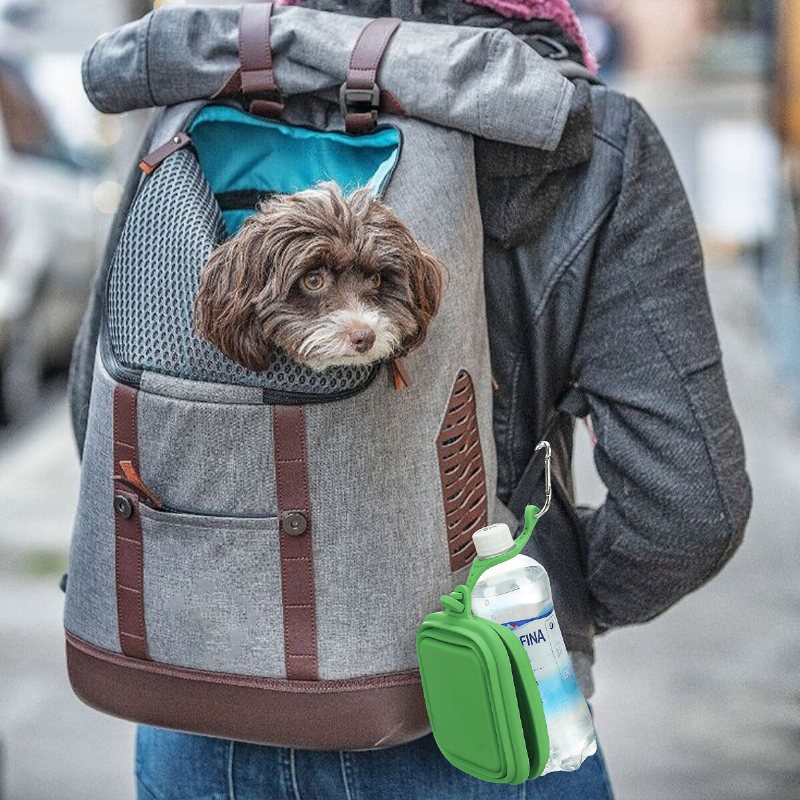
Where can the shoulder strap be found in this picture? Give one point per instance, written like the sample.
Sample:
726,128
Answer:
359,96
558,56
259,90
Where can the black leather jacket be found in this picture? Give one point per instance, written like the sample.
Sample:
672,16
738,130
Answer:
597,306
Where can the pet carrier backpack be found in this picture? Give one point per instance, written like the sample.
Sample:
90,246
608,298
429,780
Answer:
253,551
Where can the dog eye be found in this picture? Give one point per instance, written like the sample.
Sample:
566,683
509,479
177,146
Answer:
313,281
374,280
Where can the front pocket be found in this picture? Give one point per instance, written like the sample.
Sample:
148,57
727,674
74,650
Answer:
207,458
212,592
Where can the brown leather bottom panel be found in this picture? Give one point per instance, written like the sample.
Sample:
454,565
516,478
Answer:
360,714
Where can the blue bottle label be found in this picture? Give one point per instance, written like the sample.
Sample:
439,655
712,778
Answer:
541,637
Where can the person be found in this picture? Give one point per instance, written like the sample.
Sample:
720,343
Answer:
597,309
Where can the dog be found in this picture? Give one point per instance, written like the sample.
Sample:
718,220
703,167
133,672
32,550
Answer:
332,280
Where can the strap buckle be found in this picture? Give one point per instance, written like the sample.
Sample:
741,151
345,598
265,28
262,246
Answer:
360,101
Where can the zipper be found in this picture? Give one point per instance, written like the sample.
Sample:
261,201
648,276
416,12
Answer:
282,397
130,478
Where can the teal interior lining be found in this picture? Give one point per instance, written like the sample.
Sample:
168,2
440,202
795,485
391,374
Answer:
239,152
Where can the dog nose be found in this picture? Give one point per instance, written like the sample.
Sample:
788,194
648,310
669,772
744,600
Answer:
362,339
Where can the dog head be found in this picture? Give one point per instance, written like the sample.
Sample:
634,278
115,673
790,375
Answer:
330,279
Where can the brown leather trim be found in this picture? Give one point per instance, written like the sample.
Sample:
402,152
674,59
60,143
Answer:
297,556
154,158
362,71
231,87
391,105
261,93
127,528
371,712
462,472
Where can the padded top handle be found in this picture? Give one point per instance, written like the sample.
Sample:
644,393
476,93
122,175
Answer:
360,95
259,90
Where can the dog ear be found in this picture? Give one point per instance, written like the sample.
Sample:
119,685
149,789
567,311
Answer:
225,307
426,277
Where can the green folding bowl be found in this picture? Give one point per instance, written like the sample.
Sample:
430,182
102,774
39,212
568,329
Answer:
480,691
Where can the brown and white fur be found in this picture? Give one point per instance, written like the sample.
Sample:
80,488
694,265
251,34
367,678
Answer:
329,279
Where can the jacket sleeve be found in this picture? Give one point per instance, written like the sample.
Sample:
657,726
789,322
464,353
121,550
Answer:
647,368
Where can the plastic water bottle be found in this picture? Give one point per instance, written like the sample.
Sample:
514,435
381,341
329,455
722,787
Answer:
517,594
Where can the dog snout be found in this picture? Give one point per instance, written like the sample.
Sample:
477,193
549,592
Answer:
362,339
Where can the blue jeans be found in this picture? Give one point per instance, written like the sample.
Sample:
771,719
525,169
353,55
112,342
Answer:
180,766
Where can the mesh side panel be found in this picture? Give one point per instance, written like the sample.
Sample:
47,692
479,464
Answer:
174,224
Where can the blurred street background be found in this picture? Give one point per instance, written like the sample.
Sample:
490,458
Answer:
702,703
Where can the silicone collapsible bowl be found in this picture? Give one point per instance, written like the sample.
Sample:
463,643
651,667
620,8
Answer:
480,691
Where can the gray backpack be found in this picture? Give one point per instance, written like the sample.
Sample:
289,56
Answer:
253,552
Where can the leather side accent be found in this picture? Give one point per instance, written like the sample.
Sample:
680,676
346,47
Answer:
261,93
128,528
231,87
362,71
462,472
359,714
297,557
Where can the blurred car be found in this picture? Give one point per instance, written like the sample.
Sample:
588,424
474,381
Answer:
55,206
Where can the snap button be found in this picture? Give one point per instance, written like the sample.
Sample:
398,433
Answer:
294,523
123,506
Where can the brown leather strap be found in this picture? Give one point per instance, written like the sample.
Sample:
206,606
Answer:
360,95
297,557
128,529
261,93
156,157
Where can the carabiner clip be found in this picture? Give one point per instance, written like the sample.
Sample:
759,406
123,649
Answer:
548,484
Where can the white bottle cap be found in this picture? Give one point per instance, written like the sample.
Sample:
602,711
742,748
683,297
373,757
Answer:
492,540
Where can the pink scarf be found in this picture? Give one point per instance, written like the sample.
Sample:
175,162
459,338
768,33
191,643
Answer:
557,10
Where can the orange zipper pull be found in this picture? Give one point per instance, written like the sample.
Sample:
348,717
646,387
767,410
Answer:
131,477
398,375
